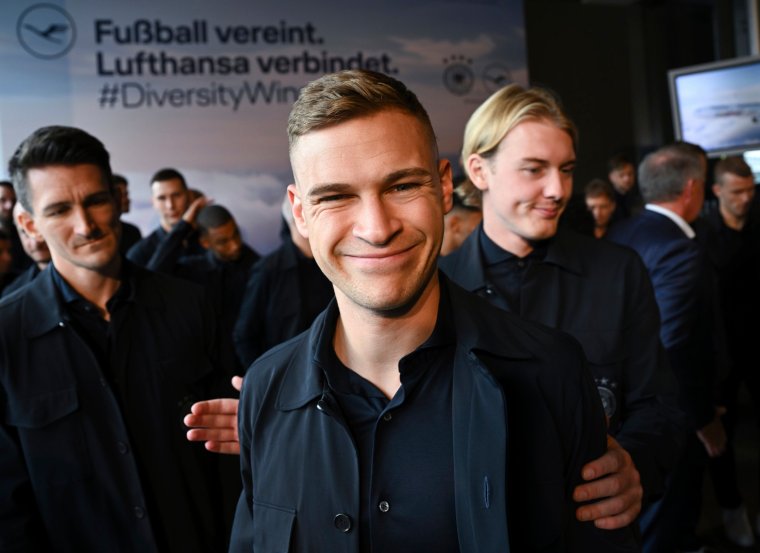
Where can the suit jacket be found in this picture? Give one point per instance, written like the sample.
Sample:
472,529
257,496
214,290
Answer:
683,287
70,481
600,294
21,280
525,415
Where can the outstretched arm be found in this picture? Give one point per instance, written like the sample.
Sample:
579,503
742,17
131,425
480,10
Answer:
613,482
215,422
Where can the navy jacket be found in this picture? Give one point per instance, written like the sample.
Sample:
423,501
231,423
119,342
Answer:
683,286
69,480
600,294
526,417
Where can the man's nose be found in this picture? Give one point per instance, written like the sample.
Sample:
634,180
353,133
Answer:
375,222
84,223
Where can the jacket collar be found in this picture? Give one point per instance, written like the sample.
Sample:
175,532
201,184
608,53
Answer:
474,321
466,265
43,309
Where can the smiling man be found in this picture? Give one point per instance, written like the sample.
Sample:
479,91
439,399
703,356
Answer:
519,150
412,416
98,360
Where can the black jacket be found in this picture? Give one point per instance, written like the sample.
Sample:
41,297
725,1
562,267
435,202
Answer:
525,414
70,481
601,295
274,307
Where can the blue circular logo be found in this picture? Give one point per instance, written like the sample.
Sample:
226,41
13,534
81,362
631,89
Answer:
46,31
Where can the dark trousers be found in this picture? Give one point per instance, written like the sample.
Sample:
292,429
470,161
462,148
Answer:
723,469
670,524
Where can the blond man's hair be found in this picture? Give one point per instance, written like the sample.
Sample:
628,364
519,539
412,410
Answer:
504,110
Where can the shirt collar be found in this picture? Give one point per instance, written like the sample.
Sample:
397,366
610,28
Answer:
677,219
494,254
125,292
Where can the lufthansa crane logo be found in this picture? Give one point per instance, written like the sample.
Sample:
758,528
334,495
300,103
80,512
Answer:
46,31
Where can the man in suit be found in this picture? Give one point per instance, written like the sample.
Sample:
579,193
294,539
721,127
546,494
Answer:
672,181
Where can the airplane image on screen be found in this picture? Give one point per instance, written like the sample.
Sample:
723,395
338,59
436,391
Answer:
751,110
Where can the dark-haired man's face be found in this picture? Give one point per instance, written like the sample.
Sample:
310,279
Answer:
224,242
7,201
75,212
735,194
170,200
623,178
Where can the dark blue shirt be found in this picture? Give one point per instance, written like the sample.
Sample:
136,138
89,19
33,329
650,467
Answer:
404,446
505,270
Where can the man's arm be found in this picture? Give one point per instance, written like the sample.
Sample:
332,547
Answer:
169,250
249,334
215,422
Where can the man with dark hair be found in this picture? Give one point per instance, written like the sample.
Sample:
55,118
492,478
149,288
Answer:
130,234
284,294
170,200
98,360
37,251
672,181
729,231
7,201
621,172
412,416
600,201
223,269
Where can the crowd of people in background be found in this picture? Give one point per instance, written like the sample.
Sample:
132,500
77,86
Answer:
108,338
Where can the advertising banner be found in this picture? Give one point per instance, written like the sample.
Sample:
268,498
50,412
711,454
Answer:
206,87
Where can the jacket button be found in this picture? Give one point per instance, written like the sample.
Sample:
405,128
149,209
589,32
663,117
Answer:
342,522
139,513
122,448
387,417
384,506
489,291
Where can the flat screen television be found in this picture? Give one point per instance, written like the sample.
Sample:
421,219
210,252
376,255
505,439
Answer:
717,105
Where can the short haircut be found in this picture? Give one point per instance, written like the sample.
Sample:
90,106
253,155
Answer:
734,165
467,195
211,217
339,97
119,179
504,110
599,187
6,183
56,145
168,173
664,172
618,161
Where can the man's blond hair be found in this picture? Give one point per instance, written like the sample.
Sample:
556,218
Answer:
504,110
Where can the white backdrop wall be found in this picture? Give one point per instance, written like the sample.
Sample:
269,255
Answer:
206,86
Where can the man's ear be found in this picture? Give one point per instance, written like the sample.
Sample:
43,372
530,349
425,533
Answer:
476,167
26,222
204,242
716,189
447,185
297,206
